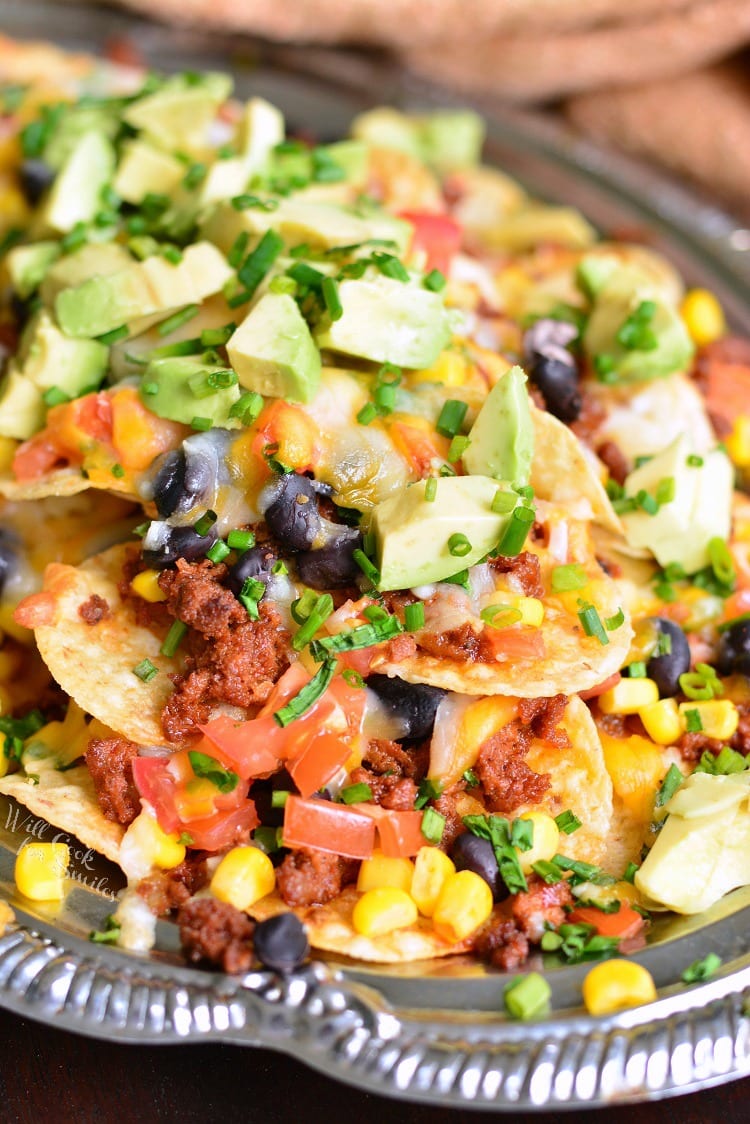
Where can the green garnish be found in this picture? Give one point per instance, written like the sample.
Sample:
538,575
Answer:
669,786
308,695
145,670
591,622
208,768
527,996
433,825
568,578
355,794
703,969
174,638
567,822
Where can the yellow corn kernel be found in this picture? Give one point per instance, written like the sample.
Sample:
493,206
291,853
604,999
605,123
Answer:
157,847
662,721
629,696
531,609
380,871
719,717
450,369
545,842
703,316
381,911
465,903
616,984
7,451
41,870
636,769
243,877
738,441
431,868
146,585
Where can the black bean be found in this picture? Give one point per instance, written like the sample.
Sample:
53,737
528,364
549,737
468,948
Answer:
254,563
333,566
35,176
8,556
177,542
413,704
666,670
734,649
293,517
469,852
182,480
281,942
558,382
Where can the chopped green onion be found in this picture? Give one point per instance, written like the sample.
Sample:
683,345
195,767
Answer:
172,323
194,176
240,540
547,871
247,407
385,398
591,622
356,794
169,350
721,561
703,969
203,525
352,677
646,502
174,638
703,683
428,790
617,621
330,291
368,568
630,872
212,770
375,613
498,831
669,786
451,417
218,552
430,489
725,625
583,872
635,333
202,424
665,490
303,606
433,825
237,249
434,281
249,596
458,447
55,396
117,471
722,764
364,636
414,616
308,695
527,996
74,238
115,335
693,722
458,545
321,610
110,934
268,839
390,266
257,264
145,670
305,275
501,616
172,254
567,578
279,797
694,461
637,670
472,780
503,502
217,337
567,822
246,202
514,537
367,414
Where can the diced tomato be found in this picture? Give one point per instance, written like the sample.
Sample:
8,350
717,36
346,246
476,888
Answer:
320,761
420,447
92,415
35,457
329,827
727,389
224,829
600,688
516,643
295,436
626,923
399,833
439,236
243,746
157,785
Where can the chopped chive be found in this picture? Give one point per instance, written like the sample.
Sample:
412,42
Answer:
284,285
637,669
172,254
367,414
503,502
471,778
721,561
303,606
591,622
434,281
240,540
501,616
514,537
568,822
218,552
385,398
363,636
430,489
237,249
308,695
247,407
249,596
247,202
115,335
55,396
568,578
194,176
458,447
451,417
665,490
330,291
414,616
368,568
458,545
669,786
390,266
319,613
171,350
374,613
145,670
702,683
217,337
694,461
527,996
693,721
279,797
117,471
200,423
702,969
612,623
205,523
352,677
356,794
172,323
547,871
257,264
630,872
432,825
174,638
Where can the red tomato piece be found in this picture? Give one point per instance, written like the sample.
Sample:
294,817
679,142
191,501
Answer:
245,747
401,834
439,236
224,829
516,643
157,785
328,827
626,923
600,688
320,761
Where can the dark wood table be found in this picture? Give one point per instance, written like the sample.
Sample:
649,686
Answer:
50,1077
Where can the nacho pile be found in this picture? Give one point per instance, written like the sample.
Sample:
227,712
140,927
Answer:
372,551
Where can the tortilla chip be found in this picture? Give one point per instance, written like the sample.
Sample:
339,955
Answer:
563,473
93,663
68,801
61,482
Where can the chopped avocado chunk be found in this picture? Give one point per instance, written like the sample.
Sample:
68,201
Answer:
501,440
273,352
134,295
93,259
700,510
75,195
27,265
446,139
75,122
388,321
178,114
47,357
412,533
634,333
145,169
260,130
180,389
22,408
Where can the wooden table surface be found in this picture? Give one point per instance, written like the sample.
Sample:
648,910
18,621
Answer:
50,1077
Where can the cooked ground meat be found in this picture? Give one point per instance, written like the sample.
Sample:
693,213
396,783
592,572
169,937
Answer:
502,944
506,779
148,614
231,659
544,717
446,805
539,905
166,890
396,793
390,758
109,762
692,746
618,464
401,647
741,740
94,610
589,420
308,877
462,644
215,931
525,569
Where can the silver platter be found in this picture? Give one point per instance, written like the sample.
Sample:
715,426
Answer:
430,1032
